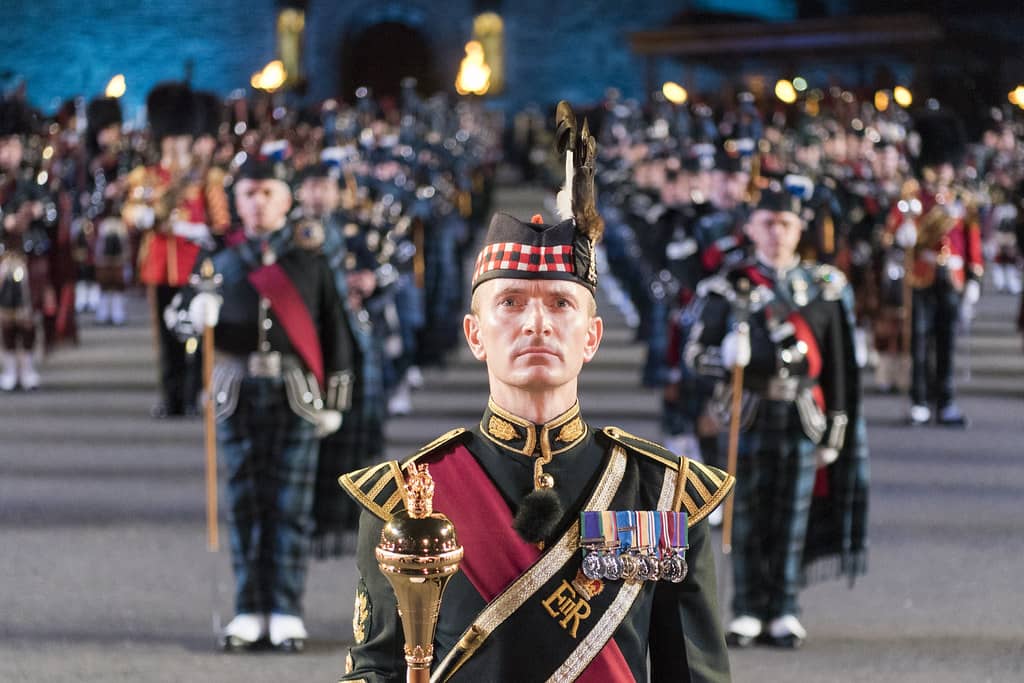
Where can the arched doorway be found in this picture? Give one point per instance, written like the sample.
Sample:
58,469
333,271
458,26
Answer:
381,55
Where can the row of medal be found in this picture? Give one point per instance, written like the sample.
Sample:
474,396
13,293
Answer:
634,545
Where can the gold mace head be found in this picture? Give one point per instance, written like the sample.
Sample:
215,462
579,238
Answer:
418,553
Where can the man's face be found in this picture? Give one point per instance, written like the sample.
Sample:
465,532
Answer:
775,234
319,196
534,335
109,136
176,151
11,152
262,204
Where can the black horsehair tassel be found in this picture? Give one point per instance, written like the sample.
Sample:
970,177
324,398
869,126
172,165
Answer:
538,515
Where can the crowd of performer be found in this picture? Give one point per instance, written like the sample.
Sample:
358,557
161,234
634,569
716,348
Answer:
766,258
884,194
787,247
94,206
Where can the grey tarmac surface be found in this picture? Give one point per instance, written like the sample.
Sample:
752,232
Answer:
104,574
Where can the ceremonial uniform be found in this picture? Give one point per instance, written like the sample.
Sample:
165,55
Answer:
945,274
540,594
102,247
800,409
28,236
562,620
283,357
178,209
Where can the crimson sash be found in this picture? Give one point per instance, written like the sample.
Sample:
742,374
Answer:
495,555
273,284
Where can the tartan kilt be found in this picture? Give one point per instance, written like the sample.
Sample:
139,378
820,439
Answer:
359,442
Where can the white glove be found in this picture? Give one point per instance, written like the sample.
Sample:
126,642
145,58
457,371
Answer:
171,312
327,422
824,456
972,292
906,234
204,310
736,350
145,217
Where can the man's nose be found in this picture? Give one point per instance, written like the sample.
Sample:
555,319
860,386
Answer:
537,319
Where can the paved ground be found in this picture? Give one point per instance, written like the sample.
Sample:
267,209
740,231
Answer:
104,574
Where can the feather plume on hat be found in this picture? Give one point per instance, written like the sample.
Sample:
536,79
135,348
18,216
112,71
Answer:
578,199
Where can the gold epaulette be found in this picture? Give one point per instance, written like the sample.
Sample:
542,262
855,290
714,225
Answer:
700,489
381,488
378,488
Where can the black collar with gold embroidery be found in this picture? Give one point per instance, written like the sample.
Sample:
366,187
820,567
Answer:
526,438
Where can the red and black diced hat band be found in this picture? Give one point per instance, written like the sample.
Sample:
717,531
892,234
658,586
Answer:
514,249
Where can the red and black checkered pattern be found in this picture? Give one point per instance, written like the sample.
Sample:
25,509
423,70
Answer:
525,258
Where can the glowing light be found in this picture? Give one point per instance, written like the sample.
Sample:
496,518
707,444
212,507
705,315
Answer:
785,91
474,74
799,84
271,77
48,152
902,96
116,87
881,100
1017,96
674,93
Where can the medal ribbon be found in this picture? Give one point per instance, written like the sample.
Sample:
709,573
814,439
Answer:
591,523
626,523
609,528
643,530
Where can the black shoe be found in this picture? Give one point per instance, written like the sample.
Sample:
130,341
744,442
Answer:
291,646
787,642
192,410
950,416
784,632
737,641
743,631
159,411
232,644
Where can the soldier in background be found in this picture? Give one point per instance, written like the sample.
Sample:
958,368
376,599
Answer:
28,232
946,270
282,379
360,440
101,242
170,203
801,476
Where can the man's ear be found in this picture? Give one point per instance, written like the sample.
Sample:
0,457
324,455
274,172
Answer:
595,332
471,328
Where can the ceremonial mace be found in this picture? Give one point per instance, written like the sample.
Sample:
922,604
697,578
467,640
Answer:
741,313
418,553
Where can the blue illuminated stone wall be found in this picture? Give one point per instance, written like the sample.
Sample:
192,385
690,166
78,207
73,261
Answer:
64,48
554,48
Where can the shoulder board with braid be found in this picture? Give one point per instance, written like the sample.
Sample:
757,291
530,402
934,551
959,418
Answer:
380,488
699,488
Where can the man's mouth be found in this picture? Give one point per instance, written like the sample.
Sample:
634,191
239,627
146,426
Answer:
539,350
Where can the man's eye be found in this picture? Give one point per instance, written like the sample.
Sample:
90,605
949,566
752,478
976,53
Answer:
563,303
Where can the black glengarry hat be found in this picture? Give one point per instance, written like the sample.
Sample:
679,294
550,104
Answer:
560,251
